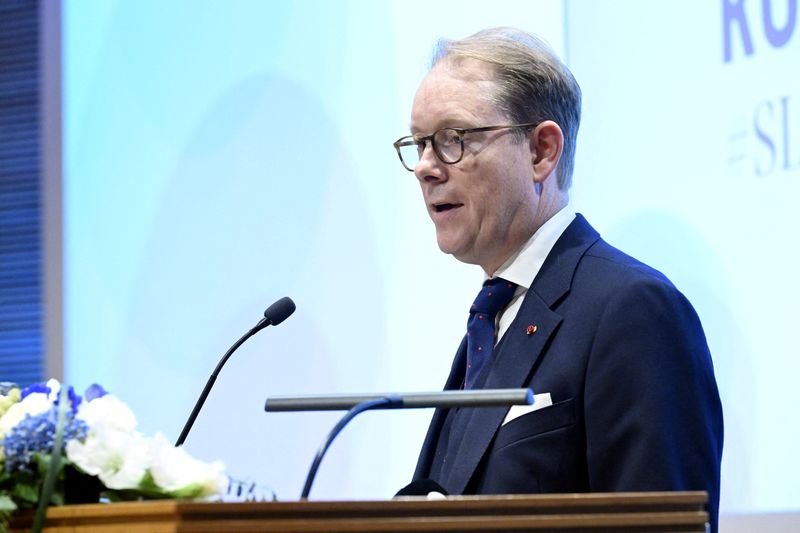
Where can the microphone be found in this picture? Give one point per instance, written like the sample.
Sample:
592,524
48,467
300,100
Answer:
274,315
405,400
358,403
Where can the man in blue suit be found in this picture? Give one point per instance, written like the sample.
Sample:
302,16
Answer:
626,398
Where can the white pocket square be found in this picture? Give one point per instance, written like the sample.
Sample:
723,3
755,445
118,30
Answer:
540,401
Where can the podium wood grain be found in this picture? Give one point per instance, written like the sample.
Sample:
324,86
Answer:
651,511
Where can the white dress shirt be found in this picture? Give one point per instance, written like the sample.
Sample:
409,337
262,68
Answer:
523,266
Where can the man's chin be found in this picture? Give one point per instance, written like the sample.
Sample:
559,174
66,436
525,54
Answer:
456,251
446,245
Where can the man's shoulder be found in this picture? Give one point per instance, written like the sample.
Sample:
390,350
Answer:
607,260
605,273
583,263
595,257
629,293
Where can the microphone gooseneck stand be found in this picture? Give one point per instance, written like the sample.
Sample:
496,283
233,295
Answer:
274,315
358,403
380,403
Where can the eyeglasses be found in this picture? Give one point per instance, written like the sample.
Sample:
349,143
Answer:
448,144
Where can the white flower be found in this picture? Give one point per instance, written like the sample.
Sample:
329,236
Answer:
33,404
107,412
112,450
173,469
119,458
55,389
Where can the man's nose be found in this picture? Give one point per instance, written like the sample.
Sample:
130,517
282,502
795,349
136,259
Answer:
429,168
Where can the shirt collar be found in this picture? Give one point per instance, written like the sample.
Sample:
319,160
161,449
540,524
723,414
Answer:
523,266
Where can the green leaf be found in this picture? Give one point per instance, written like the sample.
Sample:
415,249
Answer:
193,490
127,495
25,493
148,483
42,463
5,518
50,478
7,505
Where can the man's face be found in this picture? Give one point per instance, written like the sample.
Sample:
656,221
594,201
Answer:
483,206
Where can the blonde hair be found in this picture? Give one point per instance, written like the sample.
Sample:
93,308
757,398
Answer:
532,83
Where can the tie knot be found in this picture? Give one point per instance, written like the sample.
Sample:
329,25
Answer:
495,295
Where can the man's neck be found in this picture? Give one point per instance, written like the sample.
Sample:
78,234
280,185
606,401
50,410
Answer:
548,207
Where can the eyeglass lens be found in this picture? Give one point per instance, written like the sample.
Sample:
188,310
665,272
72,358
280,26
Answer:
447,143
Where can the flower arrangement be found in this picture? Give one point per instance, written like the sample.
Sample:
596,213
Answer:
57,447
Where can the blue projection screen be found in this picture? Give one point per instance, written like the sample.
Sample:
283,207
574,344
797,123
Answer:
220,155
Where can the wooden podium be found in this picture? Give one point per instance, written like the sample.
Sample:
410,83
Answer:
651,511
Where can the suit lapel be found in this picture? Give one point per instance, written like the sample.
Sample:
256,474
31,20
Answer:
454,382
510,368
519,351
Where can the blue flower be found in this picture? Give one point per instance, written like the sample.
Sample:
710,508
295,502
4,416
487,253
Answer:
36,434
47,389
36,387
94,391
74,399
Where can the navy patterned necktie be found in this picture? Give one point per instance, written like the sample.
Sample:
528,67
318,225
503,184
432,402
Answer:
494,296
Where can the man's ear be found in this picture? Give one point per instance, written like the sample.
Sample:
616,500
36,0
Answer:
547,144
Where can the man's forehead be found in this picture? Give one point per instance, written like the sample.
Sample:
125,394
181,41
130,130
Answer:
465,72
452,92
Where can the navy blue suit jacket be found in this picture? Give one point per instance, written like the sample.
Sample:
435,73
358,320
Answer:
624,357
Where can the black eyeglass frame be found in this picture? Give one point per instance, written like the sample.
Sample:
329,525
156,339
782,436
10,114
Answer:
412,140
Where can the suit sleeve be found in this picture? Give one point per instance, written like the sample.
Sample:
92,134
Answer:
652,408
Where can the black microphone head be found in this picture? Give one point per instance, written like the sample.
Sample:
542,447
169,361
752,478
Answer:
280,311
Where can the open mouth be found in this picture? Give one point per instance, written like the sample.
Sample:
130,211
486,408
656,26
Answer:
440,208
